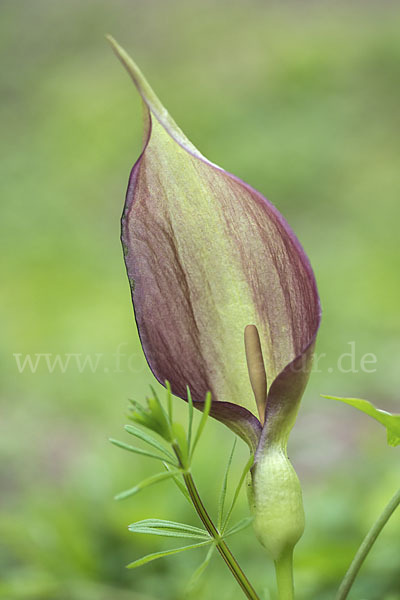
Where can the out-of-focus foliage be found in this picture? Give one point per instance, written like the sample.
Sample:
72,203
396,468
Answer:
299,99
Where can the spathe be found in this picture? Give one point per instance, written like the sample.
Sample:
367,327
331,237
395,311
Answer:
207,255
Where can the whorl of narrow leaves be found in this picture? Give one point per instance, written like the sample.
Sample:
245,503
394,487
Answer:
183,446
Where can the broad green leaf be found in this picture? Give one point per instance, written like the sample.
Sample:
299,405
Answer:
203,420
239,526
144,484
245,471
200,569
224,486
168,529
140,451
388,420
143,435
150,557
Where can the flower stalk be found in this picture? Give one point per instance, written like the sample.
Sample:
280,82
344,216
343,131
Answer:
284,576
366,546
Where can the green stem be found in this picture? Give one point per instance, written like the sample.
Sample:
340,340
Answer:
284,576
366,546
221,545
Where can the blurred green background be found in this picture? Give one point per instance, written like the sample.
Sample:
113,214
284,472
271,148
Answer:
300,99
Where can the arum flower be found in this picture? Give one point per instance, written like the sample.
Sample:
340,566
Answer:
217,275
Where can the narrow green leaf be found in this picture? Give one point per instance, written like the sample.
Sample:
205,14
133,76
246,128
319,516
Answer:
204,416
246,469
150,557
190,423
178,483
167,533
200,569
140,451
168,529
224,486
140,415
165,523
180,438
160,414
242,524
169,401
388,420
137,407
143,435
144,484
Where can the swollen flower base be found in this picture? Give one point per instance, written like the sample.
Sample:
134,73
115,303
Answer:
274,491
